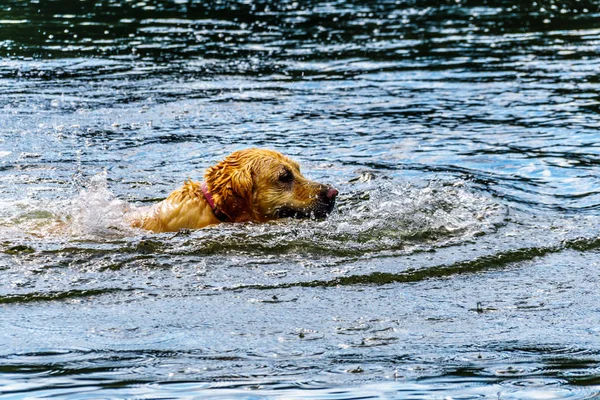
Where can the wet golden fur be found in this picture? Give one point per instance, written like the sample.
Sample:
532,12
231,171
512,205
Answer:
249,185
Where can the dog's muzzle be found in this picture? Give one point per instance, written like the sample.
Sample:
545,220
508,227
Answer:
323,206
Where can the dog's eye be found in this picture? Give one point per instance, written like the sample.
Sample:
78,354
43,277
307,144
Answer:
286,176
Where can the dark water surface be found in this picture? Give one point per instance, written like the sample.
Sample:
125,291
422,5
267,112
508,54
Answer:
461,261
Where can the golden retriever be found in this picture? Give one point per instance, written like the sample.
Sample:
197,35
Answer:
255,185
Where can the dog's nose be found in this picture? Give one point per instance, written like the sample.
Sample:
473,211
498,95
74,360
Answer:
331,193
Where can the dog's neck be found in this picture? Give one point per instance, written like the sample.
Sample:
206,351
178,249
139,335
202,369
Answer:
221,216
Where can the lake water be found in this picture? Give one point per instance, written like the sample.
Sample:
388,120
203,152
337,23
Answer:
462,260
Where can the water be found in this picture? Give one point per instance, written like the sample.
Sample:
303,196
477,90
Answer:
461,260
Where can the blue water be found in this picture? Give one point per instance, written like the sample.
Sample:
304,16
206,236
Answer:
461,260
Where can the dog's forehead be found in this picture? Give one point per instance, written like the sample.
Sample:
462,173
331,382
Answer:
277,160
294,164
289,162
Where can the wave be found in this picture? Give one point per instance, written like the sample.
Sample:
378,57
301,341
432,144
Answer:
373,216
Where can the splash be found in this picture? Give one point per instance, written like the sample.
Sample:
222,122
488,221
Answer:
371,220
373,217
95,213
413,211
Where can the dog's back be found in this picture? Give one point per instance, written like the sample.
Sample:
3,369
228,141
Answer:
185,208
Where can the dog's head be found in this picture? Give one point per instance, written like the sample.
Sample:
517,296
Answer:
260,185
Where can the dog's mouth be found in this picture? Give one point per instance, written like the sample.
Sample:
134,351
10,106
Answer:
319,211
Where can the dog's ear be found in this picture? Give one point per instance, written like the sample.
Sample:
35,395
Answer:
230,183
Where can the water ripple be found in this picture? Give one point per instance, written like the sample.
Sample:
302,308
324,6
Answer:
461,260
